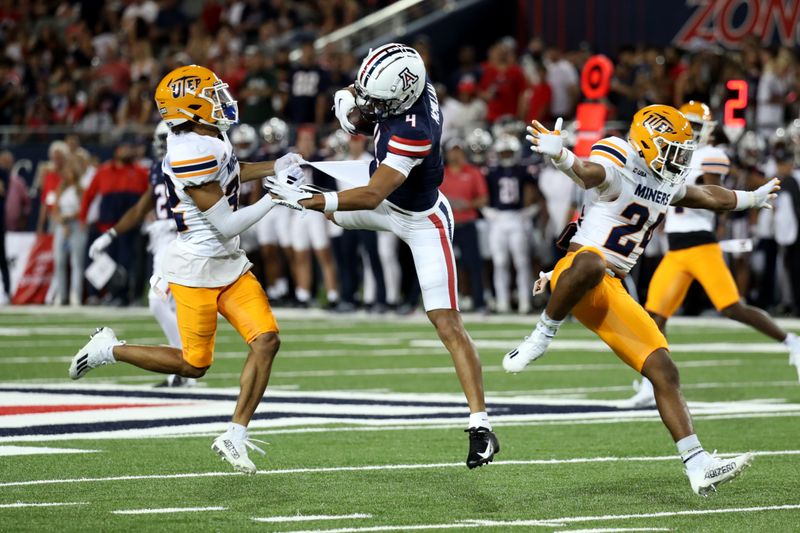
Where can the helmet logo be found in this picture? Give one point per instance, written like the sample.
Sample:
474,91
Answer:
658,123
183,85
408,78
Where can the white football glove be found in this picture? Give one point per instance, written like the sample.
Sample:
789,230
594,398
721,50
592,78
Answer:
544,141
343,102
289,160
100,244
284,189
759,198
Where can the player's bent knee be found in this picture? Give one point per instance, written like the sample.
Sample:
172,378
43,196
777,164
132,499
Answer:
661,370
266,344
189,371
733,311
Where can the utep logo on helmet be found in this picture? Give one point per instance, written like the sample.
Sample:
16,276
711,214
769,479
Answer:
183,85
658,123
408,78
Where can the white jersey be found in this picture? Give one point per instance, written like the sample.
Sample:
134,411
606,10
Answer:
619,217
201,257
706,160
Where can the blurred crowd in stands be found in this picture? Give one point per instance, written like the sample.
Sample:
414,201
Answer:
93,70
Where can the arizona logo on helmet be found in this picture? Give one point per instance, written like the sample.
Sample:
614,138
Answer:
408,78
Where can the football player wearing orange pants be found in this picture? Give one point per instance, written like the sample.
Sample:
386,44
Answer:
630,184
695,255
205,269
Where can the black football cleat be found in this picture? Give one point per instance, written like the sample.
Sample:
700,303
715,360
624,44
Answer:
483,444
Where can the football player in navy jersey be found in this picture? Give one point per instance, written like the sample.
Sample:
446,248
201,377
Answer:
161,233
402,196
511,191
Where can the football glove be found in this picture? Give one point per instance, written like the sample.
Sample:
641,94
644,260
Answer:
101,243
544,141
284,189
343,102
759,198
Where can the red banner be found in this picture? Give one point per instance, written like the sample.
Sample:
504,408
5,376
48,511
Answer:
32,287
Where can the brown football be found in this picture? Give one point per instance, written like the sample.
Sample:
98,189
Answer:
362,125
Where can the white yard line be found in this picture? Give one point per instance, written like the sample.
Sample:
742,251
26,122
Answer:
614,529
55,504
555,522
168,510
6,451
373,468
309,518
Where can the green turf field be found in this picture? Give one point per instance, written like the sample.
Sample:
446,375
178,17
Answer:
364,423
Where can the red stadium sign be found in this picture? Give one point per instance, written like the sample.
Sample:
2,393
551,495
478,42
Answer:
596,77
728,22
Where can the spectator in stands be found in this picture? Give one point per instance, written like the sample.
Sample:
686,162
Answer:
69,237
538,98
308,85
463,114
787,218
53,174
468,67
5,186
624,94
563,80
257,88
18,202
502,83
465,189
773,90
119,182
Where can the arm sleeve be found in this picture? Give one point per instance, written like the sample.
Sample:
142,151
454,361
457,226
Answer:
402,164
231,223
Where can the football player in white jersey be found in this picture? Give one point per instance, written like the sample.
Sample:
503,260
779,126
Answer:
694,254
205,269
630,184
161,234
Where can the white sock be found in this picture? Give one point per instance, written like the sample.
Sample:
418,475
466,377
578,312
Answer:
333,296
479,420
237,430
547,325
790,339
692,452
302,295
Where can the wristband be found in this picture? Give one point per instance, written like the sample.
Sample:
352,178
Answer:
331,201
565,160
744,200
113,233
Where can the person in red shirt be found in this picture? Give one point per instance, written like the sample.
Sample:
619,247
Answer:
503,83
119,182
465,189
58,154
538,97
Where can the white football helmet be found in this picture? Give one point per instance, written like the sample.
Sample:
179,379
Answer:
793,131
160,139
276,134
507,148
479,141
338,142
244,140
391,78
751,149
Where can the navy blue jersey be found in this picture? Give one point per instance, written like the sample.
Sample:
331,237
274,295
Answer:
305,84
507,186
415,134
160,191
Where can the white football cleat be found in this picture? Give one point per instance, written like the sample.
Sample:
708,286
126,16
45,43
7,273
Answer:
532,348
793,342
234,450
717,471
94,353
644,397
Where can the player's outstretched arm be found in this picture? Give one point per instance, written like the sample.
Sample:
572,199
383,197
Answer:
132,218
551,144
383,182
721,199
262,169
218,211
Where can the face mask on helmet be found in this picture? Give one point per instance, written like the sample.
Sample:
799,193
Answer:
672,162
372,109
226,110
